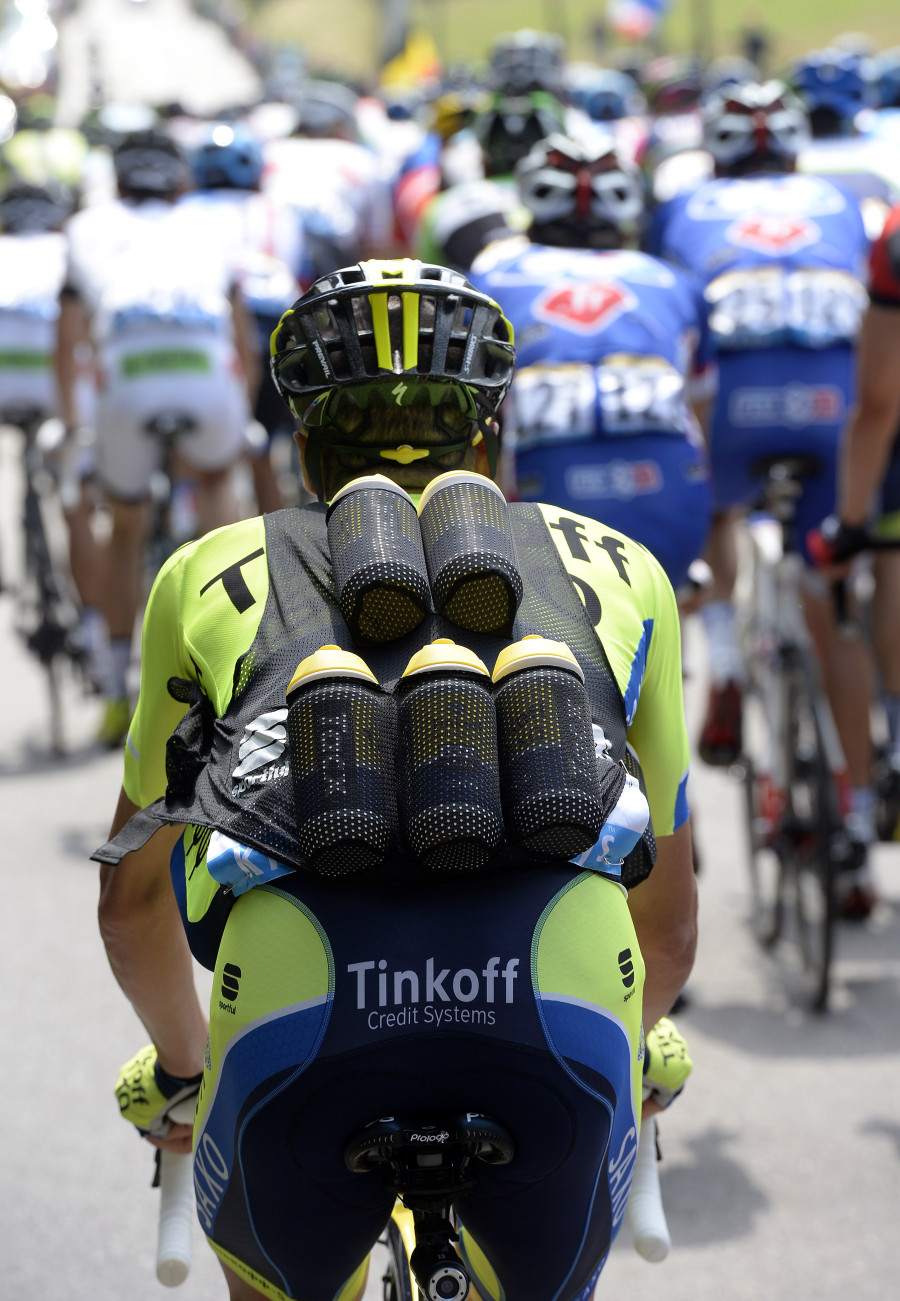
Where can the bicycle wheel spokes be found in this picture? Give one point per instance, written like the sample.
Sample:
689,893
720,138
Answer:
814,828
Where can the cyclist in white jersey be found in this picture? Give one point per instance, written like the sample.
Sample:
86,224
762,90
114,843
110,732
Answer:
265,243
170,339
339,189
32,269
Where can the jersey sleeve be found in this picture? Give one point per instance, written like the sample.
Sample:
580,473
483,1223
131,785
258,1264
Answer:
164,655
658,731
884,264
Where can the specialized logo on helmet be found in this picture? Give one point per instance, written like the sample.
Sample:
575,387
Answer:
778,235
584,307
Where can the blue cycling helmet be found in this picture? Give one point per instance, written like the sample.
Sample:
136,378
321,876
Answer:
229,158
833,85
604,94
887,78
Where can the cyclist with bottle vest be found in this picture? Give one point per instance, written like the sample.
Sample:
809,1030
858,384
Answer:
351,986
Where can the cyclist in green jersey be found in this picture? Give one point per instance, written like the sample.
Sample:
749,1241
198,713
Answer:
399,367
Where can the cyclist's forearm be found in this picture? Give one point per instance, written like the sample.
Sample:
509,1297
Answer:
149,955
664,911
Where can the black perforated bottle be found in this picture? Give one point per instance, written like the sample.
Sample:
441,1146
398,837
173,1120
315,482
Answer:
340,738
450,811
475,581
377,559
552,802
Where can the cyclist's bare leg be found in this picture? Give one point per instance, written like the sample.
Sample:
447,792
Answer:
885,603
847,678
266,487
122,592
721,556
216,502
87,556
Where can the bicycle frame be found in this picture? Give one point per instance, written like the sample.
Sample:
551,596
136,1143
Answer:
793,764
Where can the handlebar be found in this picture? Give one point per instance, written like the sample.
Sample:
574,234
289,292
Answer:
645,1212
176,1206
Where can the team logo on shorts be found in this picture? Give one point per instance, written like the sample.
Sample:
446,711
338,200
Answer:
774,234
585,307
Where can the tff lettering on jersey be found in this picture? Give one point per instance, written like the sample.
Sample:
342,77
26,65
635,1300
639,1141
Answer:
584,307
775,196
773,233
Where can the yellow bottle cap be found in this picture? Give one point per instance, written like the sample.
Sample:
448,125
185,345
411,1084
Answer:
369,481
330,662
445,654
534,652
454,477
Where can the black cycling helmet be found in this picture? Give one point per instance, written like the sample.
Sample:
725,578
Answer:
526,60
25,208
512,125
580,195
149,165
394,333
754,127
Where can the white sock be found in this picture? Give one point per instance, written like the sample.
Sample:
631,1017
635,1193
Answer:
719,621
860,821
118,660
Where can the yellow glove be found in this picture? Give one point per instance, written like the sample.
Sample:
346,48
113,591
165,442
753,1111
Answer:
667,1063
146,1093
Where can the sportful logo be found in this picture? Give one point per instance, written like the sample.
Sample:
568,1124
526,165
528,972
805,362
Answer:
435,996
262,746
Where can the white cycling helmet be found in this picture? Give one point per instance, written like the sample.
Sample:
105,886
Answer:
754,126
580,195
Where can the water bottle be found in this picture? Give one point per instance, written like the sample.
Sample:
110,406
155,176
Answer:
340,739
450,809
552,800
377,559
475,581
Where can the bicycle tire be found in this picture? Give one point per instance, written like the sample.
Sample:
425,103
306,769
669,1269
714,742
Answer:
397,1280
813,831
763,711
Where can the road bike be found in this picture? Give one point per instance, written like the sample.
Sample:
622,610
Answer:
792,767
426,1163
46,609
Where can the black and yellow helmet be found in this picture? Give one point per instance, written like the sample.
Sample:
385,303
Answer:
397,325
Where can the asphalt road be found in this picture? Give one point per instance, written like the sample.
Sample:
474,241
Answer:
782,1158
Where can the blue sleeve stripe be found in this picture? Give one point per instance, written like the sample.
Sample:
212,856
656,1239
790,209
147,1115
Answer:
681,804
638,669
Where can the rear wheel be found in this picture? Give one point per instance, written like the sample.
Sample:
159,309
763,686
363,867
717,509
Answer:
397,1282
813,828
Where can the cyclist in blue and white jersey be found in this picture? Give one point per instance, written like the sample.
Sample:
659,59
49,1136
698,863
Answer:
613,347
783,258
168,336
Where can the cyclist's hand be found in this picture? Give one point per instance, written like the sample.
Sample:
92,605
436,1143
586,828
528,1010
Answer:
834,544
667,1064
146,1094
